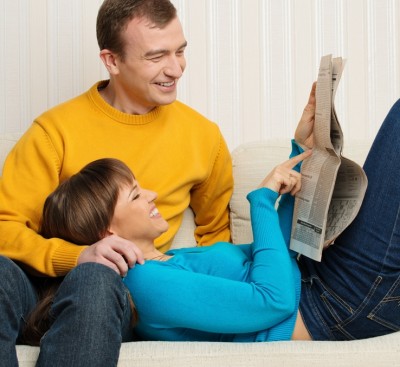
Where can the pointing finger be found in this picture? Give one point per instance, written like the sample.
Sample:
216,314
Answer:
292,162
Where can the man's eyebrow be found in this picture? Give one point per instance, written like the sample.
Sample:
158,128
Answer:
162,51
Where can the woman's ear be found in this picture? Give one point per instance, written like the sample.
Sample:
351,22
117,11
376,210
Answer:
109,232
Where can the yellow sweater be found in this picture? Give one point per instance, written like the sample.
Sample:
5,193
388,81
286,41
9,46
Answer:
172,150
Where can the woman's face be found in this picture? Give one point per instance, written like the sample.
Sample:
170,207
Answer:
136,217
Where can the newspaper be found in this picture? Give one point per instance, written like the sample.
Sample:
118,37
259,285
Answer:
333,187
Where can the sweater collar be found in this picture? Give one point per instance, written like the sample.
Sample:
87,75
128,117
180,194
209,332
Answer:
117,115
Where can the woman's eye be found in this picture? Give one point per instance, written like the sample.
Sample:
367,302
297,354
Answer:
136,197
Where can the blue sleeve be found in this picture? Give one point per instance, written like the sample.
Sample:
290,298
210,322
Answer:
169,297
286,203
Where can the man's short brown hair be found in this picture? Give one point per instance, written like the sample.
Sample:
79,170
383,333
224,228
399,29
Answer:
114,15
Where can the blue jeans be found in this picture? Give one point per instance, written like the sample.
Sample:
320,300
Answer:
354,292
91,311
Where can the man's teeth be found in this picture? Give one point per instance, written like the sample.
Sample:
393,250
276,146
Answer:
154,212
170,84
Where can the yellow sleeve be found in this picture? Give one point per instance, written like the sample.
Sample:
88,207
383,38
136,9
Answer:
30,174
210,200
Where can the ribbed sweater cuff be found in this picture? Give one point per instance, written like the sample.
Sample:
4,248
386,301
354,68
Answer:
263,196
66,257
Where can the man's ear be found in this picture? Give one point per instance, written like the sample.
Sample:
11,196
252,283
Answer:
110,61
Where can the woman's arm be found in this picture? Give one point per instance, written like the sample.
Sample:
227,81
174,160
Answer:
169,297
286,202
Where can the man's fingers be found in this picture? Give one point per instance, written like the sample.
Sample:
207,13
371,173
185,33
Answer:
309,109
115,252
130,252
118,260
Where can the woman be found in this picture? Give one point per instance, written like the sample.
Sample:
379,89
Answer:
221,292
352,293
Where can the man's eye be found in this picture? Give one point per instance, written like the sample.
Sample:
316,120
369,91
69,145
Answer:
136,197
156,58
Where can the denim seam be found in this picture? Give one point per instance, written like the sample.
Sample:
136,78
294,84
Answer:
390,241
339,327
387,298
337,297
362,306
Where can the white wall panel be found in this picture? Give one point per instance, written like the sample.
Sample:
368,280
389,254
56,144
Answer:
250,62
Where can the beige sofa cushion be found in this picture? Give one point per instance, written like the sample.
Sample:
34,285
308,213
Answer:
251,163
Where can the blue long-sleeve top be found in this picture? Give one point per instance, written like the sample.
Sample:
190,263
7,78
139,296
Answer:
224,292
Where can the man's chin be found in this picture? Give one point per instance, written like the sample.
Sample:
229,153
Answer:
167,99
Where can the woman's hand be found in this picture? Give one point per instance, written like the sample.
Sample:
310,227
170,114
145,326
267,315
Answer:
304,131
283,178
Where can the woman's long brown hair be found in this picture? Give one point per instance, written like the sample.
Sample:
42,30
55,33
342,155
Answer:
79,211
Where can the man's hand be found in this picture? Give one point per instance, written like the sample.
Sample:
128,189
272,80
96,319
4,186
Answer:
115,252
283,178
304,131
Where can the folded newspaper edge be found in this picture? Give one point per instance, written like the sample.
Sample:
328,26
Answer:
333,187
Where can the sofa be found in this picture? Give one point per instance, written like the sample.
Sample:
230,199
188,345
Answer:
251,161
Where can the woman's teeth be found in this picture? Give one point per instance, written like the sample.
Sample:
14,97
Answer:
154,212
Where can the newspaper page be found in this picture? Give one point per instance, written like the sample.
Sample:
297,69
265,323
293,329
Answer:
333,187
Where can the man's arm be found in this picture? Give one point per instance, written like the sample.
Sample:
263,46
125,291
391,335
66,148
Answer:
210,200
31,172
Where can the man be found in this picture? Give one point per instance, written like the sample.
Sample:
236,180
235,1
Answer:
132,116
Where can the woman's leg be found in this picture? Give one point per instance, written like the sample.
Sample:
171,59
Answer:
354,292
17,299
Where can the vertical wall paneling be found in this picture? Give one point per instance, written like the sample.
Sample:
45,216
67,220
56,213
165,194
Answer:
265,70
52,47
77,49
183,16
212,59
12,67
289,57
397,43
24,70
248,51
341,32
38,61
356,70
371,79
331,39
65,49
15,70
236,74
250,62
3,68
193,86
278,55
93,68
304,45
393,47
382,44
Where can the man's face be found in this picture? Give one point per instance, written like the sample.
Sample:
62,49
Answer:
153,63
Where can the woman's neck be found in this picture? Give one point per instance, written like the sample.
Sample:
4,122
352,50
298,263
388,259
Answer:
149,250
